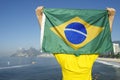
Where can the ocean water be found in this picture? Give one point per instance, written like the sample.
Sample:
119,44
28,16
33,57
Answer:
20,68
47,68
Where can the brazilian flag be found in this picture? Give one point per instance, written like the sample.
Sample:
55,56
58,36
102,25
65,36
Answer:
75,31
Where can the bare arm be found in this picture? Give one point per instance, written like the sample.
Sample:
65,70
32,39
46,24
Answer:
39,14
111,12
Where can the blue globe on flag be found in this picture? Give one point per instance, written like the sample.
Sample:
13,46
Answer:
75,33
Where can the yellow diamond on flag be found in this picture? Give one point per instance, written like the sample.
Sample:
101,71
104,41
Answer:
76,32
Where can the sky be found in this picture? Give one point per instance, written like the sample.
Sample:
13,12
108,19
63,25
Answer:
19,27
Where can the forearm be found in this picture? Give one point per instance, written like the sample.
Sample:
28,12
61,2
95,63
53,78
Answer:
39,14
111,14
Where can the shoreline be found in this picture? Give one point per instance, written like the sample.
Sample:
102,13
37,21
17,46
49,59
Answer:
109,59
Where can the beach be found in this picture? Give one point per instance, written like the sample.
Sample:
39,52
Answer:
110,59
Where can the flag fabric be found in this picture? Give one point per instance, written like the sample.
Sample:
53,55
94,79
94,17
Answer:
75,31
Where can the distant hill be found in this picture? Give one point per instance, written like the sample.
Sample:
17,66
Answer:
116,42
31,52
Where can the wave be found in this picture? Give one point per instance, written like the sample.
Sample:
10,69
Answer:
109,63
18,66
